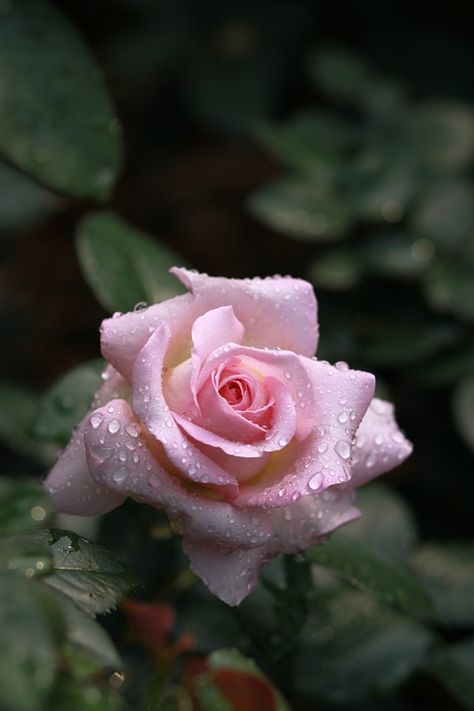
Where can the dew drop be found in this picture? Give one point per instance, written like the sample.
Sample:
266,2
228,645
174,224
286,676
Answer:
370,459
113,426
342,417
132,429
343,449
96,419
315,482
120,475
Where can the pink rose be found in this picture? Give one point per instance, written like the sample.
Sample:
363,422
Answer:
214,410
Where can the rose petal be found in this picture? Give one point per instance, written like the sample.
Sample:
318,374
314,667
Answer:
69,483
282,430
310,519
122,337
213,329
131,469
277,312
152,409
380,444
283,366
228,573
323,459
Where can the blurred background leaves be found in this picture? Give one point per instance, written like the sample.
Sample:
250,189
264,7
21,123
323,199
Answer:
330,141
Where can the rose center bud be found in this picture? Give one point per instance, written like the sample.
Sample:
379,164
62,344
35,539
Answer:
233,400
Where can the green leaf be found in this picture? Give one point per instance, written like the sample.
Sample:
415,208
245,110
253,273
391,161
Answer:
67,401
463,409
122,265
346,77
86,573
311,142
23,504
447,572
56,120
449,287
391,533
446,215
18,412
442,135
21,200
302,210
367,570
339,269
30,630
395,254
89,636
453,666
354,649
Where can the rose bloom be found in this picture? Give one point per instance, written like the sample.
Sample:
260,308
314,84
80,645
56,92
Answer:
215,409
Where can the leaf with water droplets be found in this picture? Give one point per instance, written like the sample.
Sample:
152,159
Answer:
124,266
67,401
71,145
24,504
31,630
86,573
302,210
367,570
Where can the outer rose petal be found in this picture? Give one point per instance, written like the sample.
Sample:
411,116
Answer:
210,528
321,460
310,519
277,312
69,483
231,574
151,407
380,445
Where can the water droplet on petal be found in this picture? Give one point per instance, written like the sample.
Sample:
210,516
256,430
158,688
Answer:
96,419
370,459
120,475
343,449
315,482
132,429
113,426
